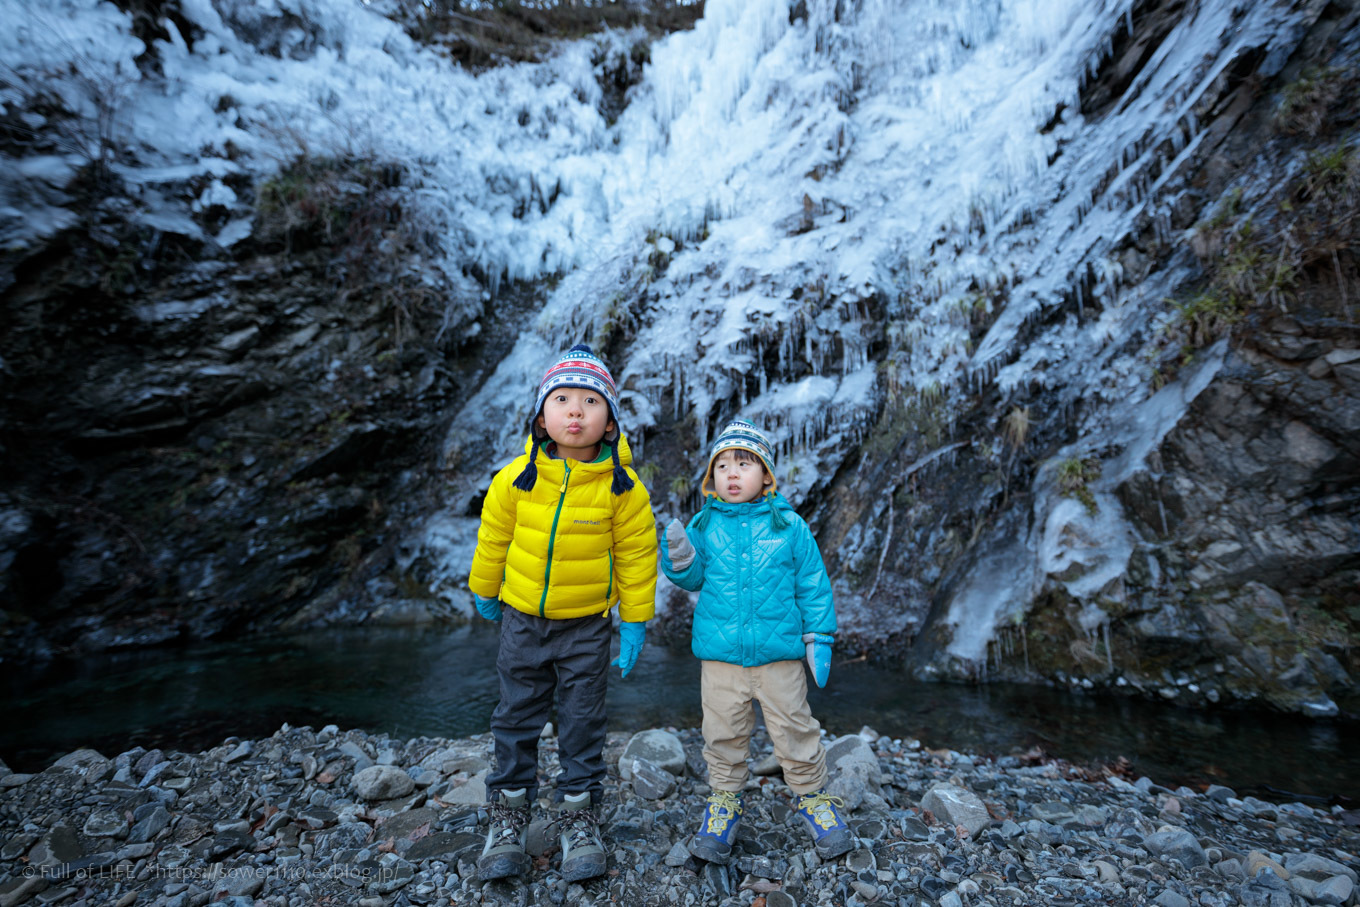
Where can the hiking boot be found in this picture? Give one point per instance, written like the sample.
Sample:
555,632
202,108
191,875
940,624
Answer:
582,851
830,835
718,827
503,854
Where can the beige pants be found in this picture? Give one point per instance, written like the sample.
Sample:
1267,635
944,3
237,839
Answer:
729,718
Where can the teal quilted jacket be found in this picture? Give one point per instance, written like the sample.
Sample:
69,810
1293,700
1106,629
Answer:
760,589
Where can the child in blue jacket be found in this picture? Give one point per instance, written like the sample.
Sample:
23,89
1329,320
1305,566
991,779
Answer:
764,604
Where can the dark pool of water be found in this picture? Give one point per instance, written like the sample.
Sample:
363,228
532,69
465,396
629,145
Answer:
442,682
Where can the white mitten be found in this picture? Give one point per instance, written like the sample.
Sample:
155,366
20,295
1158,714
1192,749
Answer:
678,545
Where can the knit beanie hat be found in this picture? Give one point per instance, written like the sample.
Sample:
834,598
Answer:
577,367
740,435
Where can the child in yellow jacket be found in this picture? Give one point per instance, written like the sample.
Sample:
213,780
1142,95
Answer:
567,532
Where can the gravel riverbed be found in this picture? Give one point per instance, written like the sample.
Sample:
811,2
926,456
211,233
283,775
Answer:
326,817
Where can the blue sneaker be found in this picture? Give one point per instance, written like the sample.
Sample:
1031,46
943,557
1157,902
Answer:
718,828
830,835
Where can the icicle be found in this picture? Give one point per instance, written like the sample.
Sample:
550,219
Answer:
1109,656
887,543
760,368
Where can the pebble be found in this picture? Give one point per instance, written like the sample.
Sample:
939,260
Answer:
1169,898
309,817
1258,862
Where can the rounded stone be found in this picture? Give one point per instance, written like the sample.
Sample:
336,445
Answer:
661,748
382,782
105,824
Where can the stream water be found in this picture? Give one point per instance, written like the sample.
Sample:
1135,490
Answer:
442,682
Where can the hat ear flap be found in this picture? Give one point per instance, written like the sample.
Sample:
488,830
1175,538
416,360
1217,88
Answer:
536,431
708,477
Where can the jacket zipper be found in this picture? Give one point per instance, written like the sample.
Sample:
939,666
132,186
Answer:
552,539
609,592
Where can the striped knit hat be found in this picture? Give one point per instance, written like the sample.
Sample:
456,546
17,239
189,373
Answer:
740,435
577,367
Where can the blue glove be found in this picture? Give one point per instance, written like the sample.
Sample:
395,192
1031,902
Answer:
490,608
819,655
631,637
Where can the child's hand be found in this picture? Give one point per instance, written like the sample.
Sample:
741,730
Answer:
632,634
819,655
678,545
490,608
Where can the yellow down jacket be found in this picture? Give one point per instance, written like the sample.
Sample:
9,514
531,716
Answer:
570,547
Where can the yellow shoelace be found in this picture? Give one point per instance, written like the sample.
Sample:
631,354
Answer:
722,807
819,807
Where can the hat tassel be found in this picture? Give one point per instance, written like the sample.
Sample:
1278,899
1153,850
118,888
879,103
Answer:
526,479
700,522
623,483
777,520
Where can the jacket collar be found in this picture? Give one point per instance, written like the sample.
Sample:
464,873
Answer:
549,466
761,504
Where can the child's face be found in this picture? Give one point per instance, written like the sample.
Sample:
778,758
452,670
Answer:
739,481
577,419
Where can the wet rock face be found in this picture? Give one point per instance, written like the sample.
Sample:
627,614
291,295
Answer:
1252,523
1270,449
295,817
227,445
1242,582
1235,544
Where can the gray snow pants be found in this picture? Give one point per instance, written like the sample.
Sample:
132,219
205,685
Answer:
536,657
